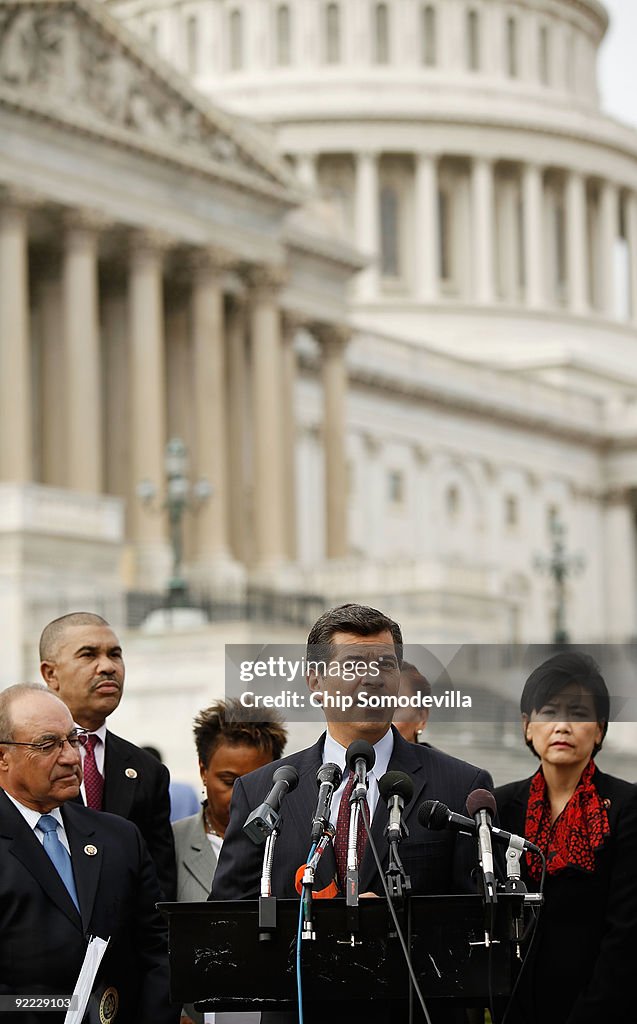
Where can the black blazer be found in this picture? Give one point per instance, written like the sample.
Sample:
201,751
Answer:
43,938
438,862
136,787
583,962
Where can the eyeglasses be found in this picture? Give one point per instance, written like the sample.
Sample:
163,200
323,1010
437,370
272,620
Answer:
75,740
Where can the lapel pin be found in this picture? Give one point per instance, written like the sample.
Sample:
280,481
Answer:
130,773
90,850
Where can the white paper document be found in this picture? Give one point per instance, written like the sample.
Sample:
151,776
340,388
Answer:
86,978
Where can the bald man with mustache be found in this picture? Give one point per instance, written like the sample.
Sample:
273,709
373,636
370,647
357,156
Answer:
81,661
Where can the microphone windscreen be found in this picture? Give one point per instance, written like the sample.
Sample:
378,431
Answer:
396,784
329,772
433,814
287,773
360,748
481,800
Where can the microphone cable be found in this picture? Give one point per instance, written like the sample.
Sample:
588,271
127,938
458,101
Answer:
302,906
403,944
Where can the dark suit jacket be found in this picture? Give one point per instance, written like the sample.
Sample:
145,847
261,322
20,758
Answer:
582,964
43,938
143,799
437,862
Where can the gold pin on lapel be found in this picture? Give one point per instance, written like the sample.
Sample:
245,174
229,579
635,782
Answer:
90,850
130,773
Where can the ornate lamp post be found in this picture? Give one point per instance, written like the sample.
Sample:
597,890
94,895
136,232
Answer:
180,496
559,565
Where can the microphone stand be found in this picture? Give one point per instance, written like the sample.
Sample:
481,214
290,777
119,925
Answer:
267,902
308,881
351,879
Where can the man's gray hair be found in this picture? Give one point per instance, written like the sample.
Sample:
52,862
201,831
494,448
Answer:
7,699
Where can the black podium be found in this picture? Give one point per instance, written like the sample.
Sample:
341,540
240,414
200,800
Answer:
218,957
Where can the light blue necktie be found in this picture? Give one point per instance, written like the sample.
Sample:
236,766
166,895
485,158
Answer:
58,854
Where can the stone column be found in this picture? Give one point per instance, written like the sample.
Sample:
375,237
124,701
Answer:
267,431
52,379
482,222
291,324
237,412
427,227
631,234
16,453
367,222
609,224
209,400
533,218
82,358
576,242
333,341
619,566
147,404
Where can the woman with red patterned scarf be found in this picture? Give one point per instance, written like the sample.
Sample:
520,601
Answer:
583,960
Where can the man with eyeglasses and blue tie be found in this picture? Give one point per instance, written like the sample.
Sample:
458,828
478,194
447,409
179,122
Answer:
68,873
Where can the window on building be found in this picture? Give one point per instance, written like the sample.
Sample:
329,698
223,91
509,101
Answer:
444,234
428,36
381,34
473,41
569,69
283,32
395,487
332,34
552,518
153,35
511,510
544,56
512,48
559,227
192,44
389,231
452,502
236,40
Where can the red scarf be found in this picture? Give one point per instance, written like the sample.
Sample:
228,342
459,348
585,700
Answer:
575,835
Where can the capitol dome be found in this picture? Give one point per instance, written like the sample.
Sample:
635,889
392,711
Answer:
461,147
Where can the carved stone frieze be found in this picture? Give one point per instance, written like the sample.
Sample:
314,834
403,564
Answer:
62,57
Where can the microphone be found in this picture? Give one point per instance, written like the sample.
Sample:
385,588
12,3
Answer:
396,789
436,815
262,822
329,778
482,806
360,759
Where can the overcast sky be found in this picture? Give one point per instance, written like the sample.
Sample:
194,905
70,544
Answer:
618,61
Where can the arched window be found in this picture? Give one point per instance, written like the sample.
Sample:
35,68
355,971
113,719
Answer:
283,35
511,511
512,48
332,34
236,40
428,36
381,34
473,41
544,56
569,68
389,231
192,44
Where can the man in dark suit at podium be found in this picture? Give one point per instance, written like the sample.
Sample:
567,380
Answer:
69,873
81,660
437,862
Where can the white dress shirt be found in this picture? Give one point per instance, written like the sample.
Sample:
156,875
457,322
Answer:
334,752
32,818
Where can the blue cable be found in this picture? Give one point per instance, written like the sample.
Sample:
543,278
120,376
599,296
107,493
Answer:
299,986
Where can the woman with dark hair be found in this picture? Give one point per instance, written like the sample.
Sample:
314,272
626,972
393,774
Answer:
227,748
585,822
